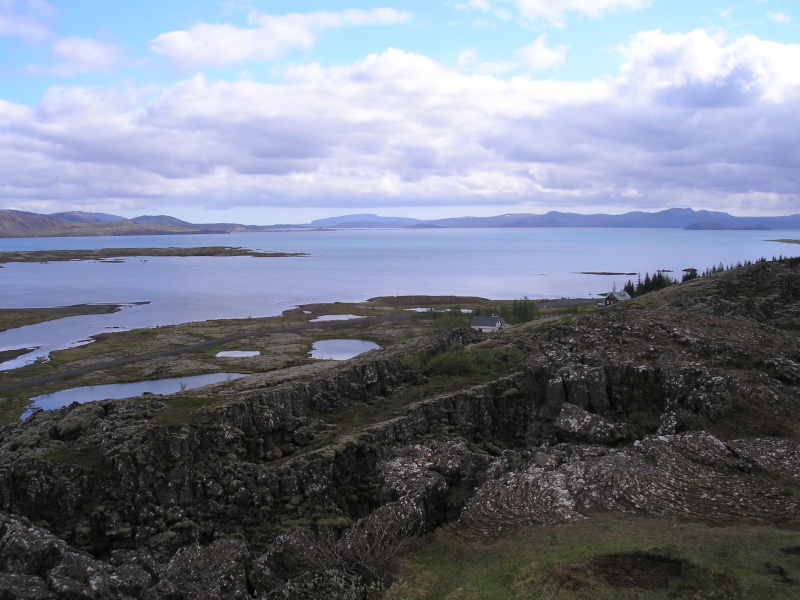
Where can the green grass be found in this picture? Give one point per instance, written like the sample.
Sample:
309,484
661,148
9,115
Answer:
11,409
182,410
88,458
559,562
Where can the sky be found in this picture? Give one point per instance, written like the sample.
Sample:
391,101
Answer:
277,111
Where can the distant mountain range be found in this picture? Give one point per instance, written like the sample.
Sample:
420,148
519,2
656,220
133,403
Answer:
15,223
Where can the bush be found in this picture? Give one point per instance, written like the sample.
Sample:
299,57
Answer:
519,311
330,584
458,361
448,319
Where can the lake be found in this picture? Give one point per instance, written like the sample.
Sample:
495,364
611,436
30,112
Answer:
345,266
92,393
340,349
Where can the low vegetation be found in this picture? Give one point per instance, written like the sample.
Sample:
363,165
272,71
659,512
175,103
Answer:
606,557
458,361
517,311
110,253
182,410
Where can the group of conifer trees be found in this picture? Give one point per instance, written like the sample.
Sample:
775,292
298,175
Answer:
658,281
661,280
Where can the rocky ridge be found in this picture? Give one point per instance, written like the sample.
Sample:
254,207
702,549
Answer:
685,404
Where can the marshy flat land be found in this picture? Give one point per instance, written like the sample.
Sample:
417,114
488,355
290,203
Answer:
283,341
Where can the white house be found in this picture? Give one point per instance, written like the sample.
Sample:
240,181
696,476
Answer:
487,324
615,297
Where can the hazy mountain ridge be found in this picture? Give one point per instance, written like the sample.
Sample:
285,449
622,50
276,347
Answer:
77,223
24,224
79,216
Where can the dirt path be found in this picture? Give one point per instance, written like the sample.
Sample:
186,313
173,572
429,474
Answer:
173,351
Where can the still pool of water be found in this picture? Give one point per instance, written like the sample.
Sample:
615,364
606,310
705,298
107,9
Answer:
324,318
341,349
90,393
237,354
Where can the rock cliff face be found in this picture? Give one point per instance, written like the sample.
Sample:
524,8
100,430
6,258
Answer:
688,408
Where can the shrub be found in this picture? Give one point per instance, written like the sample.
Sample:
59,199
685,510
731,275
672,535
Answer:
458,361
330,584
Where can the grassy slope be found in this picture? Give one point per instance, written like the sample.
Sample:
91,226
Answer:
559,562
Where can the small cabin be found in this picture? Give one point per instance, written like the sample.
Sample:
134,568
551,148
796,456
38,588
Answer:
488,324
615,297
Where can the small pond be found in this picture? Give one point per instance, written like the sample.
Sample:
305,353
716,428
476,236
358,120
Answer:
341,349
237,354
335,318
420,309
91,393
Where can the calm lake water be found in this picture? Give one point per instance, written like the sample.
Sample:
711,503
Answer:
346,266
341,349
91,393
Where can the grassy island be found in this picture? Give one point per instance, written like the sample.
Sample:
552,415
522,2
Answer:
110,253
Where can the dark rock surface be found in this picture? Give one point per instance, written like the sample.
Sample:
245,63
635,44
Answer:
683,405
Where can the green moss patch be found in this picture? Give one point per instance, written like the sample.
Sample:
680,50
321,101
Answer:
182,410
606,557
87,458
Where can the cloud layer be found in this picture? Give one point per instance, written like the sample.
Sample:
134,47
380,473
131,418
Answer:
267,38
26,19
690,119
554,11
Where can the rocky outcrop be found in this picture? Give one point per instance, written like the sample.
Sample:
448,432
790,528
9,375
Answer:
577,425
674,411
692,475
36,564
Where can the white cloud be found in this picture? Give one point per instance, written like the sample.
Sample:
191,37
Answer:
540,56
690,118
780,17
537,56
474,5
76,55
27,19
555,11
703,68
268,38
470,61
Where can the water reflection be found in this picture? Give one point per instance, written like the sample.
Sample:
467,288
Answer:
91,393
341,349
335,318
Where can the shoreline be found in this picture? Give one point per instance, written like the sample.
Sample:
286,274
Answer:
186,348
14,318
